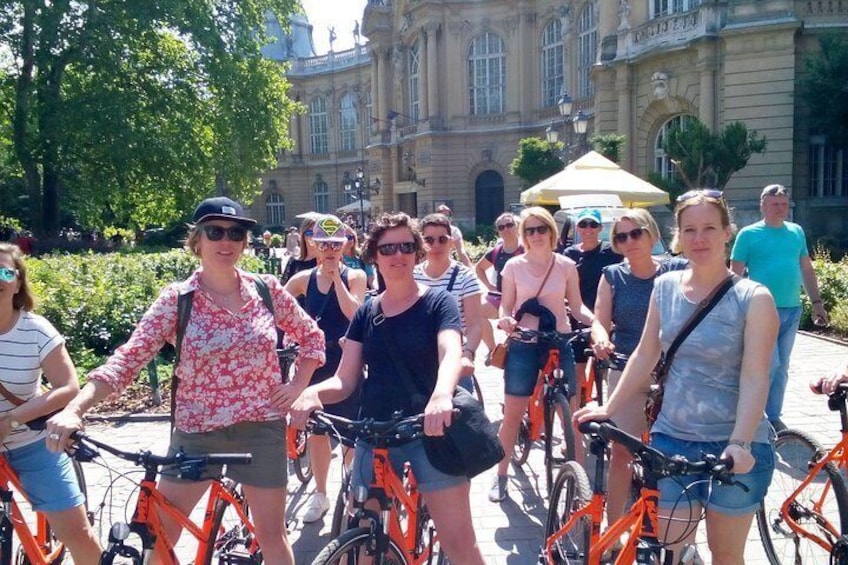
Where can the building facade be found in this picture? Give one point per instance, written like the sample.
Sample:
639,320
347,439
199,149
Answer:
434,104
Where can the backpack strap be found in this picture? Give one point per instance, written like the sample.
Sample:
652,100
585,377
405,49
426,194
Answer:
453,278
496,250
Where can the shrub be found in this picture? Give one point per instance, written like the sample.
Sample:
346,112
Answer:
833,286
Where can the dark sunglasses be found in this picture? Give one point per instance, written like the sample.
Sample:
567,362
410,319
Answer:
430,240
506,226
329,245
588,224
307,233
7,274
708,192
216,233
635,235
541,230
389,249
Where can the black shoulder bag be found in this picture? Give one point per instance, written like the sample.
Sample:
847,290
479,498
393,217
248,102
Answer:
655,397
470,444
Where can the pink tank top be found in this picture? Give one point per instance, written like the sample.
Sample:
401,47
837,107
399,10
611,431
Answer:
552,295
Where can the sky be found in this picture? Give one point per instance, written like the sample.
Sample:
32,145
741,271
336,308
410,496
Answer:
340,14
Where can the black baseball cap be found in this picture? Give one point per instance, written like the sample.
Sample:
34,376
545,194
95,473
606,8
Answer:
221,208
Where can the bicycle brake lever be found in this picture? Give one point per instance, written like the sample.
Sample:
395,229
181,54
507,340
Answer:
84,453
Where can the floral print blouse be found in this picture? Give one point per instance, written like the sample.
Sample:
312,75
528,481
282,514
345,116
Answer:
228,364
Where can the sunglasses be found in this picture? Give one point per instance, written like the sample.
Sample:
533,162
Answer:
233,233
708,192
7,274
307,233
506,226
430,240
588,224
775,190
329,245
389,249
541,230
635,235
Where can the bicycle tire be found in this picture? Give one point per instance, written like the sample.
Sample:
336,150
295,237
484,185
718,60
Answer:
560,404
347,547
228,533
523,443
340,509
795,452
302,464
571,491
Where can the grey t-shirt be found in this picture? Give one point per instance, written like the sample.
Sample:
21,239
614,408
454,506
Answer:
702,386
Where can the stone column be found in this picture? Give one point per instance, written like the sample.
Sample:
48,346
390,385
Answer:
624,87
707,70
432,71
423,75
380,87
374,126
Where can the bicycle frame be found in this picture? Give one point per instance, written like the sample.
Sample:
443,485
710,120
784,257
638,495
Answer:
536,406
32,544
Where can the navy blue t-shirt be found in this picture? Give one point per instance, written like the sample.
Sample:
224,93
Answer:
589,267
414,335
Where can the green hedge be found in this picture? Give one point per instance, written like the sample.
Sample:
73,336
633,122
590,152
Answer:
95,300
833,285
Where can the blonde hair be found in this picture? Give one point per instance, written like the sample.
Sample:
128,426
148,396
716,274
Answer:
641,218
24,299
543,216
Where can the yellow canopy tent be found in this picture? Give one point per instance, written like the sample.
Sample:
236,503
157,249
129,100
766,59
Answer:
594,174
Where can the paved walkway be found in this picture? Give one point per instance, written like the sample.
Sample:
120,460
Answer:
508,533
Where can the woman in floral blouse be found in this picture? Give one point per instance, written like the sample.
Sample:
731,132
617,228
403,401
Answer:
231,396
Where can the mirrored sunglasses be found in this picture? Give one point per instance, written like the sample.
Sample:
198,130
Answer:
389,249
635,235
7,274
329,245
233,233
708,192
588,224
430,240
506,226
541,230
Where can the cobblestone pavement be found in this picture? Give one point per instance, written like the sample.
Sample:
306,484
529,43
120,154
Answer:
508,533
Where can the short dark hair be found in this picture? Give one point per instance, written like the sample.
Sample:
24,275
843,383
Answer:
437,220
384,223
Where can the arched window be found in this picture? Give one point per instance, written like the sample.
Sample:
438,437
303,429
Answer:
275,209
347,122
414,82
587,48
487,74
321,193
318,126
552,63
662,163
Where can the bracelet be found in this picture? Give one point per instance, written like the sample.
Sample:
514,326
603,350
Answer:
470,353
746,445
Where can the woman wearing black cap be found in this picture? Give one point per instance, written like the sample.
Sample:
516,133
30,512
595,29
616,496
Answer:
230,396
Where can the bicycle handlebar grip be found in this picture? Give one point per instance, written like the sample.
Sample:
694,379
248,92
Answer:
229,458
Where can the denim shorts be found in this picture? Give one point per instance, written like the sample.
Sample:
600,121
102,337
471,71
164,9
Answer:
428,477
731,500
266,441
525,360
47,478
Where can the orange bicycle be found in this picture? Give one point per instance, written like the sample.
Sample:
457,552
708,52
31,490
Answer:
401,531
226,534
573,530
597,371
804,517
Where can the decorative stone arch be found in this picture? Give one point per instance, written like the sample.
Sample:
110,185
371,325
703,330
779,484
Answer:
652,119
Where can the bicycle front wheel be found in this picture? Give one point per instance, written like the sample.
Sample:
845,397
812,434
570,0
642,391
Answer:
302,464
357,546
823,501
523,443
340,513
571,492
229,535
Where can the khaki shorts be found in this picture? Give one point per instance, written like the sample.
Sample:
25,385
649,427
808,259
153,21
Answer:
266,441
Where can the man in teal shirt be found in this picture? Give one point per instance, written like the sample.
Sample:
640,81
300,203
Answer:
776,256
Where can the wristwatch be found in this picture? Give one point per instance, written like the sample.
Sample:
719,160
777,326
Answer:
746,445
470,353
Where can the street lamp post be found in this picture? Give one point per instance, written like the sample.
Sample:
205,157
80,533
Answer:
359,188
579,124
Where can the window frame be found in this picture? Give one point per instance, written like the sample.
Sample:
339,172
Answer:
487,74
319,143
552,63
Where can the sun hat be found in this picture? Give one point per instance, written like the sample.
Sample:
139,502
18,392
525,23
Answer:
221,208
329,228
589,214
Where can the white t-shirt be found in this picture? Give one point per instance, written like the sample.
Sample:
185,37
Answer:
22,351
465,285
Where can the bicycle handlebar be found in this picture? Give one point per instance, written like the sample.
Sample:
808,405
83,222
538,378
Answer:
395,431
537,336
615,360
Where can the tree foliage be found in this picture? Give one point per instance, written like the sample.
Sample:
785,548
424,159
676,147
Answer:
609,145
127,113
825,89
706,159
537,160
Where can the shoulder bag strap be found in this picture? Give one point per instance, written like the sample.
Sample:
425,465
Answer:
453,278
378,318
7,394
699,314
547,274
184,303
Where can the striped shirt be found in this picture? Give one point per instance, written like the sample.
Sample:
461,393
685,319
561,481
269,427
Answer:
22,351
465,284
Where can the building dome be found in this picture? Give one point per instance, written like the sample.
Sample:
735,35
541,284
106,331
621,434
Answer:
286,46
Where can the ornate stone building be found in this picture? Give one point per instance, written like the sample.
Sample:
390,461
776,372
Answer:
435,103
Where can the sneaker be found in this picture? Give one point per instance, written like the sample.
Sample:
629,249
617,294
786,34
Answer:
318,506
498,491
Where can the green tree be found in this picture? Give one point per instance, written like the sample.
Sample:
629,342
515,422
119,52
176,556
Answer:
609,145
537,160
706,159
825,91
132,111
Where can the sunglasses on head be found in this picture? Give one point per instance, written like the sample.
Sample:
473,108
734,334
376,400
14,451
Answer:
329,245
233,233
7,274
708,192
635,235
775,190
389,249
430,240
506,226
588,224
541,230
